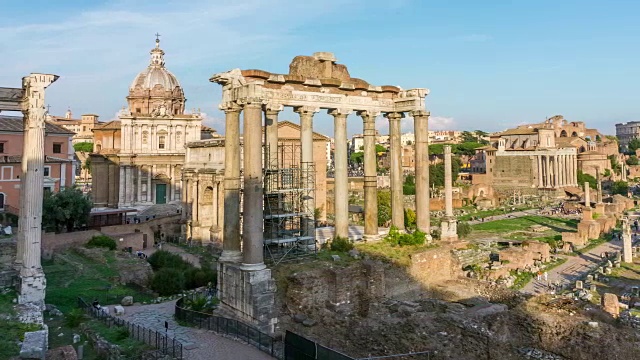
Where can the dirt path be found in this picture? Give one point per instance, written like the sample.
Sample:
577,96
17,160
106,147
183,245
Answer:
199,344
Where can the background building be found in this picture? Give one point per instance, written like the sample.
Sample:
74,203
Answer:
627,132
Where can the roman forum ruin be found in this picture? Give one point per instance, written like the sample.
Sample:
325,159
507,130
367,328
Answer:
313,83
31,102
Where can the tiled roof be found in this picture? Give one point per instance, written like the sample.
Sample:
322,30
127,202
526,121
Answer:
111,125
518,131
16,124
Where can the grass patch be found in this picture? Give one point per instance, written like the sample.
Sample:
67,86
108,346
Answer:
554,264
77,276
400,255
522,279
525,222
593,243
486,213
119,335
11,330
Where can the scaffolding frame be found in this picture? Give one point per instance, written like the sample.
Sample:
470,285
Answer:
289,223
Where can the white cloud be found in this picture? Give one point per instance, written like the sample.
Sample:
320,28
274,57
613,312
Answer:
441,123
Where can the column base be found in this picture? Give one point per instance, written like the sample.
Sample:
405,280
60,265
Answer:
253,267
230,256
32,286
375,237
250,295
449,230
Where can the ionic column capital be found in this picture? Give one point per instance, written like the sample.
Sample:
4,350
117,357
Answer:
419,113
230,107
339,112
306,110
251,102
272,108
394,116
368,115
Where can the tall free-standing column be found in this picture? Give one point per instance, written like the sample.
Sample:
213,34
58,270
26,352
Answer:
252,219
627,251
32,279
587,198
271,134
421,129
449,226
370,176
231,229
341,180
397,206
306,160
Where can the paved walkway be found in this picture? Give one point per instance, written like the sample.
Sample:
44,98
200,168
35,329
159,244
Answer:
511,215
574,268
200,344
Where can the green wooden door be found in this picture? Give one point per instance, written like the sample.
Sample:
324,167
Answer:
161,193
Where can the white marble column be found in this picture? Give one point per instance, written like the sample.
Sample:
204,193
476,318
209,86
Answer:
341,177
448,227
548,171
121,189
540,172
307,165
397,205
32,279
252,220
149,199
231,229
421,129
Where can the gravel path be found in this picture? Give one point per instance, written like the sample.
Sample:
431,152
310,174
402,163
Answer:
199,344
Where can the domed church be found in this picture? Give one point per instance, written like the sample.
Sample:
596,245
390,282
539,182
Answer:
147,144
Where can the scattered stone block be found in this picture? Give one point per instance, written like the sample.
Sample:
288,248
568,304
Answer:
592,287
607,271
589,277
62,353
309,322
34,345
579,285
354,253
118,310
593,324
335,257
127,301
299,318
610,304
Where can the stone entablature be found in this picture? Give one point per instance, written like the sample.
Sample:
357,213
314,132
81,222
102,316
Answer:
145,135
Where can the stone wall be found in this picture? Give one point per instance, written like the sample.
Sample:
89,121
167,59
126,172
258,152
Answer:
52,242
434,265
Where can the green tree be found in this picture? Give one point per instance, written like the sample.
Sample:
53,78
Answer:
83,147
380,149
436,172
67,209
633,160
583,178
409,185
463,229
384,207
620,187
633,145
357,157
468,136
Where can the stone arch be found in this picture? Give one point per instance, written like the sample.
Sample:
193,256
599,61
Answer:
574,134
563,133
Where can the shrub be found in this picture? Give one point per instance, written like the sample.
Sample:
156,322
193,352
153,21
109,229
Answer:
195,277
74,318
168,281
163,259
464,229
341,244
410,218
102,241
396,238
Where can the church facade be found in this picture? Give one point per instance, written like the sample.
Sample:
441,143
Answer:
144,150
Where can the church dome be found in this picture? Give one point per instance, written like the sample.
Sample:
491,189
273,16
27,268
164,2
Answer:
155,73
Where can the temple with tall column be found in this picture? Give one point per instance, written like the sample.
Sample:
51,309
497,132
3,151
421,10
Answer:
143,152
313,83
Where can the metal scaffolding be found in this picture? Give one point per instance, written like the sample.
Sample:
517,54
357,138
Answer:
289,224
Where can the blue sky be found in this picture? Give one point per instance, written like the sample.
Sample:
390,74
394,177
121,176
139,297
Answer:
489,64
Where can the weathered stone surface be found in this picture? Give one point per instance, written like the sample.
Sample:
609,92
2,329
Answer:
127,301
34,345
62,353
610,304
118,310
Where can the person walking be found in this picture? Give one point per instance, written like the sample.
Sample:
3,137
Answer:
546,276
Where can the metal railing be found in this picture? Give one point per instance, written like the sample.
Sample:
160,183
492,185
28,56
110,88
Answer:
229,327
164,343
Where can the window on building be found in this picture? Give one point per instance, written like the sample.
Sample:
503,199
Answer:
57,148
1,147
2,199
47,171
161,141
84,128
7,173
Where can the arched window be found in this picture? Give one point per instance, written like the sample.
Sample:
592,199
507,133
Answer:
563,133
162,139
574,134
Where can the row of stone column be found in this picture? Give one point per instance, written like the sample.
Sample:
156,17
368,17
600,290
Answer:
252,241
555,171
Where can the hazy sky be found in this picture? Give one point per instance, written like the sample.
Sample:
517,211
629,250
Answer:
489,64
